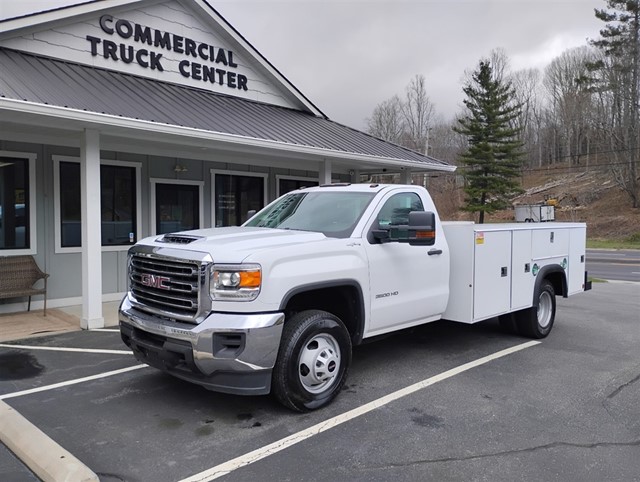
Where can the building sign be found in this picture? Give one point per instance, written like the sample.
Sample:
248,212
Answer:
201,62
179,41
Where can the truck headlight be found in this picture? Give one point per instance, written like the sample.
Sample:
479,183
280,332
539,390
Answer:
235,282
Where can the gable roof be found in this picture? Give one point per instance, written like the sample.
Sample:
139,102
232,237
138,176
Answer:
29,80
33,22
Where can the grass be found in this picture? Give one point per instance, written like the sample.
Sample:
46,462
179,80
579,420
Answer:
597,280
632,242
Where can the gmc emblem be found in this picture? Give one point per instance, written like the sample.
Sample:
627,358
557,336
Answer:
153,281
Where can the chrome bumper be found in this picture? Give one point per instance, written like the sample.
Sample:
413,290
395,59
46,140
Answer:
231,353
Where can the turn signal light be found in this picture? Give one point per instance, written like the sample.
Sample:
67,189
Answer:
425,234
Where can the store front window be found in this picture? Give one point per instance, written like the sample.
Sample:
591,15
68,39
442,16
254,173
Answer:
286,185
177,207
14,203
70,219
117,204
235,196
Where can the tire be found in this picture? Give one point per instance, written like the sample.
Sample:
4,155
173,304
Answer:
313,360
537,321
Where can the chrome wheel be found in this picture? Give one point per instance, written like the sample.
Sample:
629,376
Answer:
319,363
545,309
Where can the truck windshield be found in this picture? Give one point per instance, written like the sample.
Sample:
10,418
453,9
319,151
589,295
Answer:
335,214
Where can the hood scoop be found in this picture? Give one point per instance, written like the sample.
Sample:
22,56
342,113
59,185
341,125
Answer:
178,238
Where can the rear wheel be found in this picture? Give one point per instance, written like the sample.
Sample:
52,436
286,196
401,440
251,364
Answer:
537,321
313,360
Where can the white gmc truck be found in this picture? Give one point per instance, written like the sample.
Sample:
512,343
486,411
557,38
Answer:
275,305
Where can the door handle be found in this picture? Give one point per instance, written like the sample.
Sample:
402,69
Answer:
434,251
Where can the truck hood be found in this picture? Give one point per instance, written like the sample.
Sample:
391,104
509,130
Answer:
231,244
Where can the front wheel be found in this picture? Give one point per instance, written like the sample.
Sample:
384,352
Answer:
313,360
537,321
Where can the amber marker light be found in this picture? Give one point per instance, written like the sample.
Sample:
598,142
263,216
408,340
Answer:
250,279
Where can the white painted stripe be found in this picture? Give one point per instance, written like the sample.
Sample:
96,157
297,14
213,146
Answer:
263,452
57,348
70,382
106,330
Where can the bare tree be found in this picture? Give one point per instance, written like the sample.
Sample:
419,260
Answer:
620,74
444,143
526,87
570,102
418,111
387,121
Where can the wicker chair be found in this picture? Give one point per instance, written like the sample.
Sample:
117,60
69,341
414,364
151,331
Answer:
18,274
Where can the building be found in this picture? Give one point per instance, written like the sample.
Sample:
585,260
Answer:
120,119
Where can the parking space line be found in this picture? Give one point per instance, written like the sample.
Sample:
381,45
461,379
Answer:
57,348
263,452
106,330
70,382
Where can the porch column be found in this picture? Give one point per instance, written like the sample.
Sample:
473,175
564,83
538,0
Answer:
405,176
324,176
91,231
355,176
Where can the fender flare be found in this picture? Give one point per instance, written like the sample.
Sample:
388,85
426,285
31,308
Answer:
543,274
359,323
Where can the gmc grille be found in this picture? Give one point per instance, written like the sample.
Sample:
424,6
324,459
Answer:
166,286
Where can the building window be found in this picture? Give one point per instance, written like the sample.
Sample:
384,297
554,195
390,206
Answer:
287,184
15,203
70,210
118,204
235,194
177,206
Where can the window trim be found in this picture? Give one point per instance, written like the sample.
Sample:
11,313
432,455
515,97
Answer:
214,172
292,178
57,159
33,221
154,181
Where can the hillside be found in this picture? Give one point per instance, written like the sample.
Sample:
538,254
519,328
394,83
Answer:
590,197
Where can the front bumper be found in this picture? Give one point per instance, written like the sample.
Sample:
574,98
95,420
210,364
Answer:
230,353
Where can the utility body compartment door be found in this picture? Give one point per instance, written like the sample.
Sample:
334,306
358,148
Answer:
492,274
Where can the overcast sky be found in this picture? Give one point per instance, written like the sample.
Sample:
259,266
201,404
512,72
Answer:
348,56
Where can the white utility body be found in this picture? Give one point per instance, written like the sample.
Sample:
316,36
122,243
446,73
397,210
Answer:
275,305
492,271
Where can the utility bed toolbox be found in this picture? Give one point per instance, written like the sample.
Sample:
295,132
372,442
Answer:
494,266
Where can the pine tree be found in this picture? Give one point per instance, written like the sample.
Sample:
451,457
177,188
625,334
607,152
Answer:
620,75
493,159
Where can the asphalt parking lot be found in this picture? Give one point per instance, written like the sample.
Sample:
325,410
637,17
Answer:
565,409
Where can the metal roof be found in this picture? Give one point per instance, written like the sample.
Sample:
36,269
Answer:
41,80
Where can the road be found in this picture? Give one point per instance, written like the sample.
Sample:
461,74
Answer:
618,264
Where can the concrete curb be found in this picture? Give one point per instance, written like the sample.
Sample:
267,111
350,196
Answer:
36,450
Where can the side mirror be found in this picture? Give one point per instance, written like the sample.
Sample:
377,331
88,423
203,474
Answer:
422,228
251,213
381,236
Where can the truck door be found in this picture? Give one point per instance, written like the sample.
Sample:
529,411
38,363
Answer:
409,284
